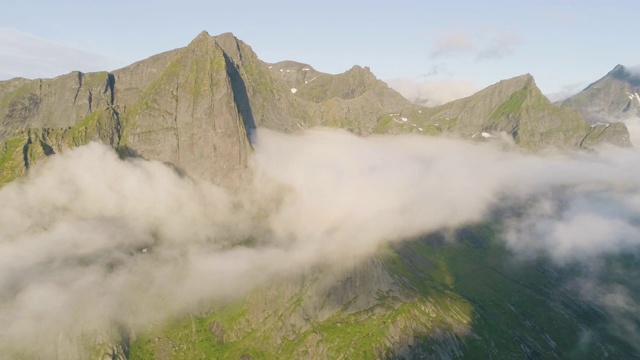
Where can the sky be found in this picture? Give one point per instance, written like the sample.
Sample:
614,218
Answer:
456,46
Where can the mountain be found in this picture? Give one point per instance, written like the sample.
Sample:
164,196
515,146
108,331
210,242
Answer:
421,299
515,107
612,98
195,108
450,294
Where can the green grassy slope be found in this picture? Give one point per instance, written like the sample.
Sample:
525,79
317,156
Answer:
463,298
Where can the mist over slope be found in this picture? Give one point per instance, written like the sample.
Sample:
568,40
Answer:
90,243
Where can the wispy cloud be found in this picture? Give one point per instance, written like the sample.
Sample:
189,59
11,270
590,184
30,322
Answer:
566,91
486,44
498,44
130,242
452,43
432,92
29,56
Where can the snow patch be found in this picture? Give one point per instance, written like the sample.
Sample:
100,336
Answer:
634,96
404,119
270,66
294,90
420,129
486,135
305,69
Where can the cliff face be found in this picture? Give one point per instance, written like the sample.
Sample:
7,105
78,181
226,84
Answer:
194,107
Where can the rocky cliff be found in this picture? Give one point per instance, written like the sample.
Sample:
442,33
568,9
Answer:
195,108
612,98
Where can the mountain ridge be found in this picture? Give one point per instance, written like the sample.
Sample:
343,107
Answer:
139,109
614,97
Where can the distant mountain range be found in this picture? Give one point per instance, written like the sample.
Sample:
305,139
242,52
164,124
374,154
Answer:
196,108
614,97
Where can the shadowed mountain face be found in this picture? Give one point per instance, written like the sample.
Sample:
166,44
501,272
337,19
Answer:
613,98
445,295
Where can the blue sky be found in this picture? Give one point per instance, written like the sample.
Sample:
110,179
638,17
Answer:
565,45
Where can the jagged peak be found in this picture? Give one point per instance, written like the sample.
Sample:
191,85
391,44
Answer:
233,47
358,69
203,33
202,36
525,81
630,75
227,36
617,68
292,65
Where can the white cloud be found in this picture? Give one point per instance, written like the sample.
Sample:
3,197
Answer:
109,242
29,56
486,44
566,91
432,92
498,44
454,42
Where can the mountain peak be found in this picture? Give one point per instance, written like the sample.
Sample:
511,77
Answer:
203,33
227,36
203,36
611,98
523,80
617,68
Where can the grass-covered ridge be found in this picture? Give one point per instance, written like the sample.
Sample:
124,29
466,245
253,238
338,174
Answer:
462,296
12,159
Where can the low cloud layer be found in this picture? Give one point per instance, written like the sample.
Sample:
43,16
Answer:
89,242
